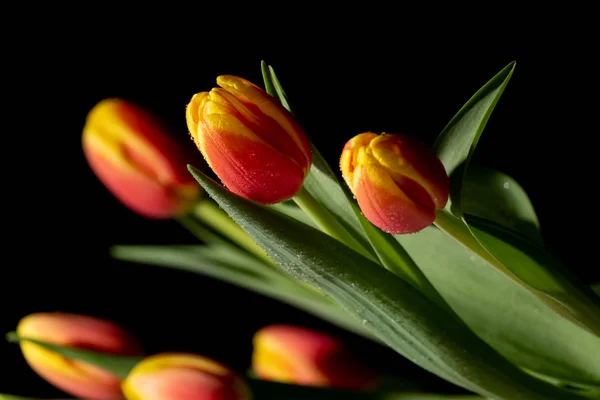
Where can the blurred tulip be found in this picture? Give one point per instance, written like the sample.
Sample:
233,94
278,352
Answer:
178,376
398,182
137,160
300,356
83,332
249,140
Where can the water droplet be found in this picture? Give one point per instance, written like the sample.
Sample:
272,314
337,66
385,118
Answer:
506,185
364,322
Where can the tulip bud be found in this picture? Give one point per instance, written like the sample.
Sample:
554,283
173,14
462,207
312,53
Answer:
249,140
133,155
290,354
75,377
178,376
397,181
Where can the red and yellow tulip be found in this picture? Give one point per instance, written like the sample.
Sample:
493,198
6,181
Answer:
180,376
249,140
398,181
290,354
72,330
133,155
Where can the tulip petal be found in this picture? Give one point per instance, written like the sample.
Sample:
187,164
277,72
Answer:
297,355
272,109
409,158
247,166
121,125
132,154
168,360
397,181
180,376
385,205
193,113
350,155
139,192
75,377
259,124
180,384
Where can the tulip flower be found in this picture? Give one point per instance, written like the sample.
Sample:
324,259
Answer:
136,159
398,182
75,377
249,140
180,376
290,354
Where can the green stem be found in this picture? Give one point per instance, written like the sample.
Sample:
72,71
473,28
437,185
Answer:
328,223
199,231
213,216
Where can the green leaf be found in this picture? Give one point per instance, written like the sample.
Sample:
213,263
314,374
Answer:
596,288
269,88
457,142
118,365
500,311
244,271
514,249
392,309
542,273
494,196
531,267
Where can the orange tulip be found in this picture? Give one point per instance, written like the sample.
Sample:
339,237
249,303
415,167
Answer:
133,155
75,377
249,140
178,376
398,182
290,354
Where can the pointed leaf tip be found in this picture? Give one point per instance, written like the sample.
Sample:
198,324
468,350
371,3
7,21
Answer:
196,173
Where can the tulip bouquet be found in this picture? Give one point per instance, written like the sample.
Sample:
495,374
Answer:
415,248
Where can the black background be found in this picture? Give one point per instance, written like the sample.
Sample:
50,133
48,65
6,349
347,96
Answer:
61,220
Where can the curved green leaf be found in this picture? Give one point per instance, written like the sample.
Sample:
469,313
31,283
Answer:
529,266
457,142
244,271
495,196
118,365
501,312
539,270
392,309
516,253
